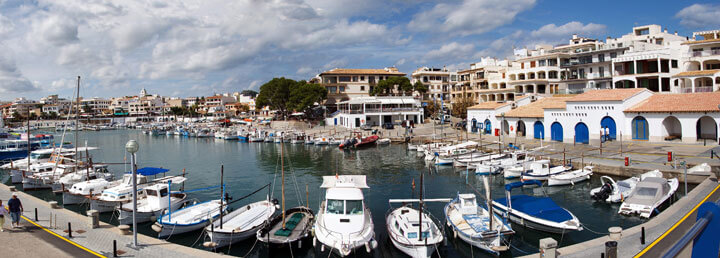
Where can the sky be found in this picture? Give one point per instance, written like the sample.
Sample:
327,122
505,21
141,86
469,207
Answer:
202,47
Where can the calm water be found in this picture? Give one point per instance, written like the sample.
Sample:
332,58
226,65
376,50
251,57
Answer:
390,172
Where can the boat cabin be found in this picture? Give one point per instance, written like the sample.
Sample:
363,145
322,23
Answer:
540,165
407,223
468,204
158,194
345,207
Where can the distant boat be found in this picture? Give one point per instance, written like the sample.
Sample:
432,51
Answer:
541,170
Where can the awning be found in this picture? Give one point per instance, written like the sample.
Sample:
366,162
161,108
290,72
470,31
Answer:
150,171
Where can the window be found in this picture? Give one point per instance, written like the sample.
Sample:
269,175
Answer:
541,63
613,55
362,78
601,71
344,78
163,192
674,63
355,79
332,89
552,74
342,88
354,207
552,62
362,88
601,58
151,192
335,206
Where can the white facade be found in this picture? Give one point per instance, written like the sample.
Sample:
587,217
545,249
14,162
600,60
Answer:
376,111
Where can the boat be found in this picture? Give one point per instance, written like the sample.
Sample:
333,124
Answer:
240,224
122,193
348,143
383,141
82,191
541,170
411,147
647,197
335,141
291,226
539,213
513,172
321,141
483,169
613,192
472,223
344,222
188,219
571,177
159,199
367,141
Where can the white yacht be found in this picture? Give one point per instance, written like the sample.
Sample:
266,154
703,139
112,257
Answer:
344,222
82,191
616,191
159,199
649,194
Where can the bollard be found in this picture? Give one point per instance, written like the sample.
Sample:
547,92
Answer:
611,249
94,216
53,204
69,230
12,188
615,233
642,236
114,248
36,217
547,247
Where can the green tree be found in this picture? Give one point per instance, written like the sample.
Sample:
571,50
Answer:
420,87
276,95
250,93
53,115
86,108
391,85
459,108
304,95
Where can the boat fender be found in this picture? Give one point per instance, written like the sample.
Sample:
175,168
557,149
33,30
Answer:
314,241
322,248
157,227
367,247
209,244
454,233
300,244
373,244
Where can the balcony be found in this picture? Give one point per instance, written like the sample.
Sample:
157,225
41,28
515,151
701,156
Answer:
697,89
712,52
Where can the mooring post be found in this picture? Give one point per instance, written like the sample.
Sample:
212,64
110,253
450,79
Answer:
114,248
36,215
642,235
69,230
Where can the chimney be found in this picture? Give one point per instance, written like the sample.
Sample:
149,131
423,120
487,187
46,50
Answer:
665,30
575,36
675,33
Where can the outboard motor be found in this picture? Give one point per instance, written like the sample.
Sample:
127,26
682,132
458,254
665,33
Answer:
605,191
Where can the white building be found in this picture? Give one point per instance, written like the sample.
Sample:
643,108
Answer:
485,117
377,111
437,80
701,64
344,84
96,105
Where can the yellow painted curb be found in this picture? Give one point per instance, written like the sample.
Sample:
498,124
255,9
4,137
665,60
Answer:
63,238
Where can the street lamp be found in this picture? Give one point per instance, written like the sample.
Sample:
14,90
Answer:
132,146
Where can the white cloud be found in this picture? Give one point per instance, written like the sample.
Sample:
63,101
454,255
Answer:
400,62
700,16
11,79
554,33
304,70
337,63
55,29
469,17
452,50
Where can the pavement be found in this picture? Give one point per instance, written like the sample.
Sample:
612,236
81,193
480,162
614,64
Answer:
47,236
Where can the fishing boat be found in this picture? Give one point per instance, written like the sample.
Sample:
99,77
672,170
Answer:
571,177
541,170
613,192
240,224
514,172
188,219
344,221
647,197
82,191
115,196
159,199
335,141
291,226
539,213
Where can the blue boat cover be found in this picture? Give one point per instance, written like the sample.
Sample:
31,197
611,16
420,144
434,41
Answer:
476,222
150,171
512,185
539,207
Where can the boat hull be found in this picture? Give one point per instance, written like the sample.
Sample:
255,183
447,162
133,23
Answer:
520,219
103,206
222,239
413,250
70,199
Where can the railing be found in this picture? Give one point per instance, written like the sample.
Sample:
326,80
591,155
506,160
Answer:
701,239
697,89
712,52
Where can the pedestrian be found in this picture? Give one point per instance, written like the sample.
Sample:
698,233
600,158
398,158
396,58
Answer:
3,214
16,210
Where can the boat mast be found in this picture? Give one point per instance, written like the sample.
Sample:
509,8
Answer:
222,193
420,212
77,117
282,187
28,140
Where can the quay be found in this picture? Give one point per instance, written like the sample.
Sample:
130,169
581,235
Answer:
48,236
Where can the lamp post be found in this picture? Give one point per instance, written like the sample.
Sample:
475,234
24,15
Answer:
132,146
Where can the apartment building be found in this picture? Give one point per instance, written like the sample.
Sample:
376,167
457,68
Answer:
344,84
95,106
439,81
537,71
588,63
701,63
147,105
651,60
484,81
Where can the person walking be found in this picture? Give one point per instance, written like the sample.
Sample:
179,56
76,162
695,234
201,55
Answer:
3,213
16,210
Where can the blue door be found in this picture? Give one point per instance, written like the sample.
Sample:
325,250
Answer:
539,130
608,125
639,128
488,127
556,132
474,126
335,121
582,135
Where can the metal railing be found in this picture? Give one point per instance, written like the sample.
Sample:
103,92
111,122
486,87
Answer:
698,235
697,89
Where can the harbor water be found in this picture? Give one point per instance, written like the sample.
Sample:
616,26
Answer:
390,172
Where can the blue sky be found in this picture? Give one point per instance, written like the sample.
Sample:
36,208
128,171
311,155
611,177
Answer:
190,48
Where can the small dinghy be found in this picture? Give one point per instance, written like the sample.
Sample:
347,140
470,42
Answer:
188,219
571,177
541,170
403,225
539,213
383,141
647,197
240,224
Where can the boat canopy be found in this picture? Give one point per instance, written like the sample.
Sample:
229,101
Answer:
460,146
344,181
510,186
150,171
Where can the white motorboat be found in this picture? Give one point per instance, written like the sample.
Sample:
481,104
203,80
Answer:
647,197
158,197
188,219
82,191
335,141
321,141
541,170
571,177
539,213
513,172
240,224
476,158
383,141
344,222
122,193
69,179
614,192
476,225
404,227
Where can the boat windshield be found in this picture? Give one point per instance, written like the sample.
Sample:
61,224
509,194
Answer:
646,191
335,206
411,235
40,155
354,207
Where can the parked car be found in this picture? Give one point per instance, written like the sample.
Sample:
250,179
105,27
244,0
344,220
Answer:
388,126
365,127
461,125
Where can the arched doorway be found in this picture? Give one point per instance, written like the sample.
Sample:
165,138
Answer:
706,128
520,129
505,127
556,132
672,129
582,135
488,128
608,126
538,130
639,128
474,125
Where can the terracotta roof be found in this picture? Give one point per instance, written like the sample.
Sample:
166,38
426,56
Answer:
488,105
697,73
362,71
537,108
607,95
700,41
687,102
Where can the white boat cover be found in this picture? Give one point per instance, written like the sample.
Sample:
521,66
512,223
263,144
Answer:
344,181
